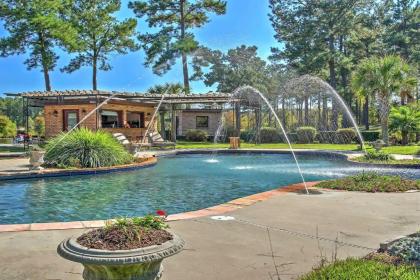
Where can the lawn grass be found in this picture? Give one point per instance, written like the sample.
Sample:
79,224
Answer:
391,161
210,145
403,150
371,182
357,269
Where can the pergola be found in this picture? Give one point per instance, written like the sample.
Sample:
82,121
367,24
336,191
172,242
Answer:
169,101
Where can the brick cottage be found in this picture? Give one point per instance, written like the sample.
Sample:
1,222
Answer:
127,113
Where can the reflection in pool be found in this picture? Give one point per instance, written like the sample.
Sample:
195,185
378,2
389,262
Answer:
176,184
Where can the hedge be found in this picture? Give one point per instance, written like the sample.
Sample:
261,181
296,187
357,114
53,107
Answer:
306,134
196,135
346,135
370,136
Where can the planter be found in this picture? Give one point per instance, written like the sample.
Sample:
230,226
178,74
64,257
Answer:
36,159
234,143
137,264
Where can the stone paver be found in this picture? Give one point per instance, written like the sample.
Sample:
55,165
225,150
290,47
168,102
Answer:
14,164
301,228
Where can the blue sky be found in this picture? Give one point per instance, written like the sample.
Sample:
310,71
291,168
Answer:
246,22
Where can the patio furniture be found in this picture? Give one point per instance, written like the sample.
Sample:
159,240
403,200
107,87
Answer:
130,146
156,140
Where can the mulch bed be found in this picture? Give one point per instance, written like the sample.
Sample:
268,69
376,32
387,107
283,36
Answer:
123,238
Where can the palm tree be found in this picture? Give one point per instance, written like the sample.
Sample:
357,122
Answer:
405,119
169,88
383,77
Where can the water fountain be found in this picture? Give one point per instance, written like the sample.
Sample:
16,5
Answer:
318,84
248,89
154,116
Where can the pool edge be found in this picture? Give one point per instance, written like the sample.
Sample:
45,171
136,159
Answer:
209,211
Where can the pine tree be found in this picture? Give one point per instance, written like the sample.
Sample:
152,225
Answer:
100,34
36,28
174,20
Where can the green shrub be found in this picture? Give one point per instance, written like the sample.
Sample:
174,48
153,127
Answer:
85,148
270,135
370,136
39,125
377,155
196,135
247,135
306,134
293,138
346,135
358,269
407,248
329,137
7,127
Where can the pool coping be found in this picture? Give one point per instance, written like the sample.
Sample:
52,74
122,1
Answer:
226,207
44,173
210,211
346,155
32,174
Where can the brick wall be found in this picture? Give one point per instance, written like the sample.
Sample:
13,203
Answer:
54,116
187,120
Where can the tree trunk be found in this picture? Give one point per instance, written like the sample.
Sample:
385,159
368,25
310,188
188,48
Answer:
46,78
237,119
333,82
184,55
324,113
283,112
44,59
94,70
319,113
383,100
306,111
404,137
366,112
384,128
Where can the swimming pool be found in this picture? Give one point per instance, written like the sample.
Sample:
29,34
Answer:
176,184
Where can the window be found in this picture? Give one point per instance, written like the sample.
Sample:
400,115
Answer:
202,122
135,119
110,119
71,118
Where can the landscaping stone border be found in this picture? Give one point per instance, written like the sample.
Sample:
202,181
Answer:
70,172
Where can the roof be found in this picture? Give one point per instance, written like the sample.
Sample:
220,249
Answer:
209,97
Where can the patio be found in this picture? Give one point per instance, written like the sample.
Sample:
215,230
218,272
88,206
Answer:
303,229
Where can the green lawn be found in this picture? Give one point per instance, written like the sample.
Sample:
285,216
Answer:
391,161
403,150
358,269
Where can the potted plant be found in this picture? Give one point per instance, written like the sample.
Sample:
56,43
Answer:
36,158
124,248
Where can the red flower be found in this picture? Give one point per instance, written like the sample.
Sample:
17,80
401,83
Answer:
161,213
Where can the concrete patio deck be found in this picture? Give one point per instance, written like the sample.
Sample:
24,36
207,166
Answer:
303,229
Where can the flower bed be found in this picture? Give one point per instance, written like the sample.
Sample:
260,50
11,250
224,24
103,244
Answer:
371,182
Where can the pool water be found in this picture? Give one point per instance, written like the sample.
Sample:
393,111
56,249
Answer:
176,184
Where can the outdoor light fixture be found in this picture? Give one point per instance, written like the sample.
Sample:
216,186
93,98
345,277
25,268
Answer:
55,113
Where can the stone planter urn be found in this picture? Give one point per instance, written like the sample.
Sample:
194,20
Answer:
136,264
378,145
36,159
235,143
